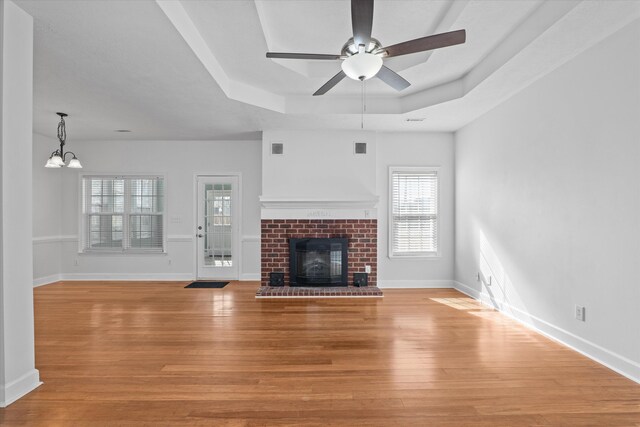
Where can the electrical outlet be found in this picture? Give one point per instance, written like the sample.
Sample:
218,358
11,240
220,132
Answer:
77,263
580,313
169,261
477,276
367,269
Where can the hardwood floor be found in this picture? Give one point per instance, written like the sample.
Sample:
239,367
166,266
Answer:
132,353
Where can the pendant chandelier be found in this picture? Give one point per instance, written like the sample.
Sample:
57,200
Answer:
57,158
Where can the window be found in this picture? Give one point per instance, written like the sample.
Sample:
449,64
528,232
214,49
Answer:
413,230
122,214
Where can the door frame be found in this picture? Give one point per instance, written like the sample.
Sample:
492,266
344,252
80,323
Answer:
237,240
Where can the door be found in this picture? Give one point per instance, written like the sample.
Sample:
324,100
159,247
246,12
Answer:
217,227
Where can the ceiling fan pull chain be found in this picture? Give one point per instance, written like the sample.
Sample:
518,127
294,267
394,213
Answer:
362,107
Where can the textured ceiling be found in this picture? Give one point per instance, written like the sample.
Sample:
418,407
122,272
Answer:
197,69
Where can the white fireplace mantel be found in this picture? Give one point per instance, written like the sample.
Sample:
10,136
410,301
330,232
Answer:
319,207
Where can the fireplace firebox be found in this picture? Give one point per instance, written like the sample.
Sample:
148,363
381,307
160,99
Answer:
318,262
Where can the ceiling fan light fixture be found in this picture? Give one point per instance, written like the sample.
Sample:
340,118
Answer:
362,66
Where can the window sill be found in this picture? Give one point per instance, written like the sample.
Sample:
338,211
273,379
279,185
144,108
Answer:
434,257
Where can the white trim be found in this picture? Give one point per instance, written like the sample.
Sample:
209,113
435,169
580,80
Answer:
318,213
19,387
132,254
418,255
251,239
162,277
233,89
54,239
246,277
180,238
45,239
41,281
238,218
593,351
369,202
286,207
411,284
435,257
82,217
74,238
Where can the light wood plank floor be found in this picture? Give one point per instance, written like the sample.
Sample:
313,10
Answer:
156,354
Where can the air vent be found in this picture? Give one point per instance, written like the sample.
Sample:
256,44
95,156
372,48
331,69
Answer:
277,148
360,147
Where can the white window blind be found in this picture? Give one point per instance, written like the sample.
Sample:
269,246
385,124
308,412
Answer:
414,212
122,214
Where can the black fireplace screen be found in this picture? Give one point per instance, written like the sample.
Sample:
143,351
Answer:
318,262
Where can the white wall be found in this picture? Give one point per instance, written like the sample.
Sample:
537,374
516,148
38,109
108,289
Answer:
548,202
322,164
180,161
416,149
46,212
318,164
18,375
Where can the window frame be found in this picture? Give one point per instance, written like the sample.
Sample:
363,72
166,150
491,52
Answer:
126,214
412,255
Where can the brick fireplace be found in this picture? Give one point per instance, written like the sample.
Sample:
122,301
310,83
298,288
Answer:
362,235
306,224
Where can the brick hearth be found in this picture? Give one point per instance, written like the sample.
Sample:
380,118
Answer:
362,235
317,292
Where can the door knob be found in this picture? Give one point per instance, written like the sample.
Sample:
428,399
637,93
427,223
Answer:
200,236
199,227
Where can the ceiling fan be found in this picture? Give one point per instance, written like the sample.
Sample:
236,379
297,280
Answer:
363,55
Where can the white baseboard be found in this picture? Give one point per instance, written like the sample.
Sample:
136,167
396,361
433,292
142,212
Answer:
168,277
18,388
616,362
409,284
129,276
160,277
40,281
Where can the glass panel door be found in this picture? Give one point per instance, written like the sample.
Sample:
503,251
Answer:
217,227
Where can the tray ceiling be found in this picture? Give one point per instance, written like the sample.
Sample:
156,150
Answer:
197,69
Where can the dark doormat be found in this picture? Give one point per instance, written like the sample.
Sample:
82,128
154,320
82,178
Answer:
205,284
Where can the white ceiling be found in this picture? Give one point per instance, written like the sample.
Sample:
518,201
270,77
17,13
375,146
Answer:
197,69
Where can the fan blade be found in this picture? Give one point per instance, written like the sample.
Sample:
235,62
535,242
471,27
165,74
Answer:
331,83
361,21
427,43
302,55
392,78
